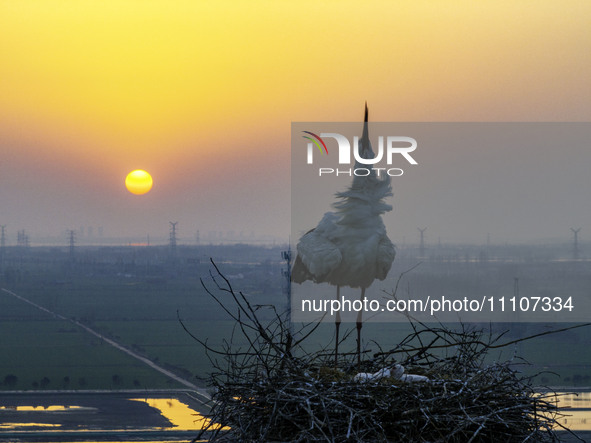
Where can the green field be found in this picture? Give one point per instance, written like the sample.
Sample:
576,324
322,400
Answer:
133,296
54,354
135,305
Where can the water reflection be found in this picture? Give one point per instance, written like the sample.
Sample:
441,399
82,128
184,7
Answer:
28,425
576,408
168,417
51,408
574,400
182,417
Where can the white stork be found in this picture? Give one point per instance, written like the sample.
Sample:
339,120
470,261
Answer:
350,247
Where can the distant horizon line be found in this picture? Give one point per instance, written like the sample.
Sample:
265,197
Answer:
163,241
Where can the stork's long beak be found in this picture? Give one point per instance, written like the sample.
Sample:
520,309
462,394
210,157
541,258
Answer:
365,149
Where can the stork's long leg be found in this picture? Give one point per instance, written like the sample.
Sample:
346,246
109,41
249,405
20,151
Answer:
359,326
337,324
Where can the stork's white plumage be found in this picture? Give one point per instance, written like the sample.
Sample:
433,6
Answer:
396,371
350,247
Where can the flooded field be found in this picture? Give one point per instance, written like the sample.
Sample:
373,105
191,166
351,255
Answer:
155,416
95,416
577,410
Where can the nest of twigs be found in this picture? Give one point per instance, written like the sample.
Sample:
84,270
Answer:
275,390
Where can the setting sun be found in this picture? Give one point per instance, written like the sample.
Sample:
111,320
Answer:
138,182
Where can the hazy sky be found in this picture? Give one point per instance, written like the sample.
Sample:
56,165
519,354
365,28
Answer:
202,95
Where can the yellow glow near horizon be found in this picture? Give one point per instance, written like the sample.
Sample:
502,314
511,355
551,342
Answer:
138,182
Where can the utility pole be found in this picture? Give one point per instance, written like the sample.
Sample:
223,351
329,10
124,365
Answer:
422,246
519,327
286,255
575,243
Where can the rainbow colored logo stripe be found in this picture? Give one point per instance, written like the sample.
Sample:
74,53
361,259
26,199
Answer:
315,140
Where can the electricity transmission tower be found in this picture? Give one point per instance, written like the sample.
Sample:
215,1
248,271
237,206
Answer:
172,240
22,239
72,240
575,243
422,245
